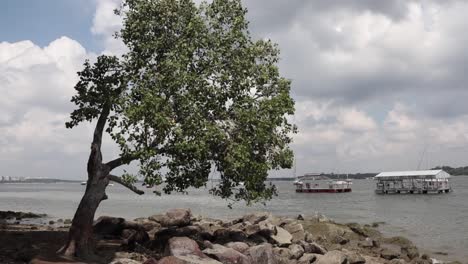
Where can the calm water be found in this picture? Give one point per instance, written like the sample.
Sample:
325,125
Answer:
433,222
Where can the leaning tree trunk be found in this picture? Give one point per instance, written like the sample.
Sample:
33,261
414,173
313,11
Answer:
80,237
80,241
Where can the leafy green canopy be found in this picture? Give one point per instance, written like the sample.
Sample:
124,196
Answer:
199,95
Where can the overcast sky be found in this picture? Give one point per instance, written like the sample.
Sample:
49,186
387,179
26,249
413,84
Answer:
376,83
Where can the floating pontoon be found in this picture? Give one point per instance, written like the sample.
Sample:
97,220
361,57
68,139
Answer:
426,181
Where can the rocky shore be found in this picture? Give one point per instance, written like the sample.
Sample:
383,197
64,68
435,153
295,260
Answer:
179,237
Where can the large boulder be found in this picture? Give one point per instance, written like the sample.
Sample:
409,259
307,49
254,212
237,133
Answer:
177,217
389,254
332,257
226,255
262,254
281,237
182,246
296,230
109,226
225,235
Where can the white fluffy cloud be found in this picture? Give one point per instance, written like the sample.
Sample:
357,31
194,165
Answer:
36,87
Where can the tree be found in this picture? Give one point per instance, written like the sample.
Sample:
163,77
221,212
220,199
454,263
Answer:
193,94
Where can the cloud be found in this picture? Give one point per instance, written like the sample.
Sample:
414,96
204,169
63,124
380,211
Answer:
37,84
376,83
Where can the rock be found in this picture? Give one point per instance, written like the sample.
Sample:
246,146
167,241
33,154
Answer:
368,243
296,251
282,252
225,235
226,255
313,248
397,261
421,261
333,257
148,224
158,218
251,229
189,259
410,251
308,237
296,230
262,254
354,257
307,258
51,222
281,237
266,228
300,217
151,261
177,217
208,227
340,240
257,217
67,221
133,237
108,226
124,261
374,260
389,254
238,246
182,246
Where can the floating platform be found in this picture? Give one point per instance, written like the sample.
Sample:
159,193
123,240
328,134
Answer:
413,182
325,190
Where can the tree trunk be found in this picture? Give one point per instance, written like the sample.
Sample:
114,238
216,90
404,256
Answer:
80,241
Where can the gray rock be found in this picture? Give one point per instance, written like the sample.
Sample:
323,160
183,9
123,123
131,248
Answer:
226,255
354,257
188,259
397,261
262,254
238,246
389,254
296,251
296,230
313,248
333,257
255,218
124,261
177,217
307,258
301,217
282,252
182,246
282,237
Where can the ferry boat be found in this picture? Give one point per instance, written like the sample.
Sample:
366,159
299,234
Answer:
307,184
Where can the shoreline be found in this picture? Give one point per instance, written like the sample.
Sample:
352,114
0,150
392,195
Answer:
284,234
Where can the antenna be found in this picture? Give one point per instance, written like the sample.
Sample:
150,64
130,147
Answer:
422,156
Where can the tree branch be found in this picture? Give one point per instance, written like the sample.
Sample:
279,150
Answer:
129,186
97,138
118,162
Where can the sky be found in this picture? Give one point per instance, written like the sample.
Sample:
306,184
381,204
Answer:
379,85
